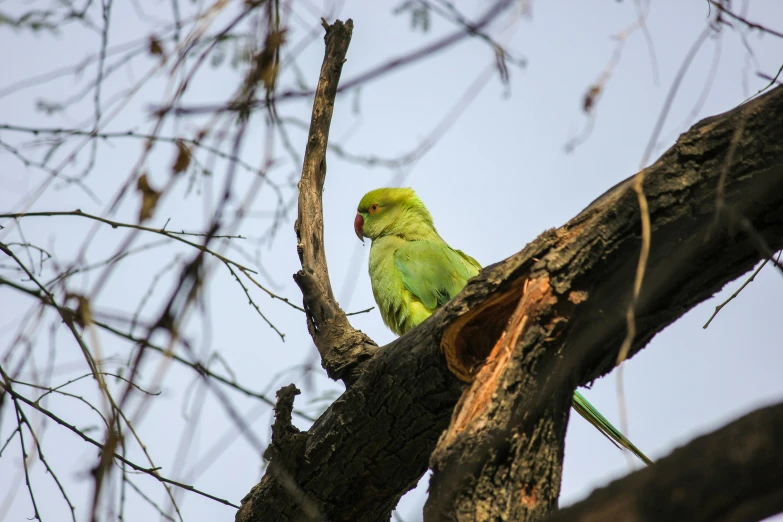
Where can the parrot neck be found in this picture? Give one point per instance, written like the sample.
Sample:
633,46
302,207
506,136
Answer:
414,224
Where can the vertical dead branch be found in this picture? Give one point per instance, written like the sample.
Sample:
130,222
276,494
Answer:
341,347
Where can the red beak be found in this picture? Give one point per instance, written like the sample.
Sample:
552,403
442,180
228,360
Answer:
358,226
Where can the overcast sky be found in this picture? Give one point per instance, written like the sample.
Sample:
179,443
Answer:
497,178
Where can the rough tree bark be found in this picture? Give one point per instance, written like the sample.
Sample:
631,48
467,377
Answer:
715,202
546,320
732,475
342,347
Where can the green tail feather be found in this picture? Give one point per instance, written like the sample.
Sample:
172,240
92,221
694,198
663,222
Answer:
594,417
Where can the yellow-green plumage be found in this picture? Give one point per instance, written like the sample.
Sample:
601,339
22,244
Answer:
413,272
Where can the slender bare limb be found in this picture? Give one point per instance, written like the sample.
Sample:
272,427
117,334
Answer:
342,348
153,472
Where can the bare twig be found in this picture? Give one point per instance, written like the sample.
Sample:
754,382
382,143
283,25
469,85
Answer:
254,305
395,63
745,21
177,236
153,472
361,311
749,280
197,367
638,187
68,319
62,133
20,419
41,456
771,79
149,501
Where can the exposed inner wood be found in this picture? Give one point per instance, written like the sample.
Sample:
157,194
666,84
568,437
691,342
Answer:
466,342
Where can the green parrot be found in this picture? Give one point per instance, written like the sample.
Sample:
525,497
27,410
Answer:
413,271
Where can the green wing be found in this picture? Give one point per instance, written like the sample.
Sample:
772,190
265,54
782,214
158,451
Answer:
594,417
433,271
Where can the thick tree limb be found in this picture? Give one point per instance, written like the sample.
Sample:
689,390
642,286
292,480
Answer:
734,474
341,346
716,207
373,443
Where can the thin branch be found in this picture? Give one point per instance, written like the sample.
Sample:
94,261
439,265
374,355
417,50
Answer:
195,366
119,224
25,456
254,305
177,236
380,70
745,21
644,251
68,320
149,501
85,317
153,472
740,289
193,142
58,389
361,311
47,466
8,440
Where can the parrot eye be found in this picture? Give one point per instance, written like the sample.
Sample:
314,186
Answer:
374,208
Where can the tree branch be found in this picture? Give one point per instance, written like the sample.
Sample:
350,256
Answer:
341,347
715,202
5,387
731,475
372,444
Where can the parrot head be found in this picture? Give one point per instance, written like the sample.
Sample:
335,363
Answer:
392,211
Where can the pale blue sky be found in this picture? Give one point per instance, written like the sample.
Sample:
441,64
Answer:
498,178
